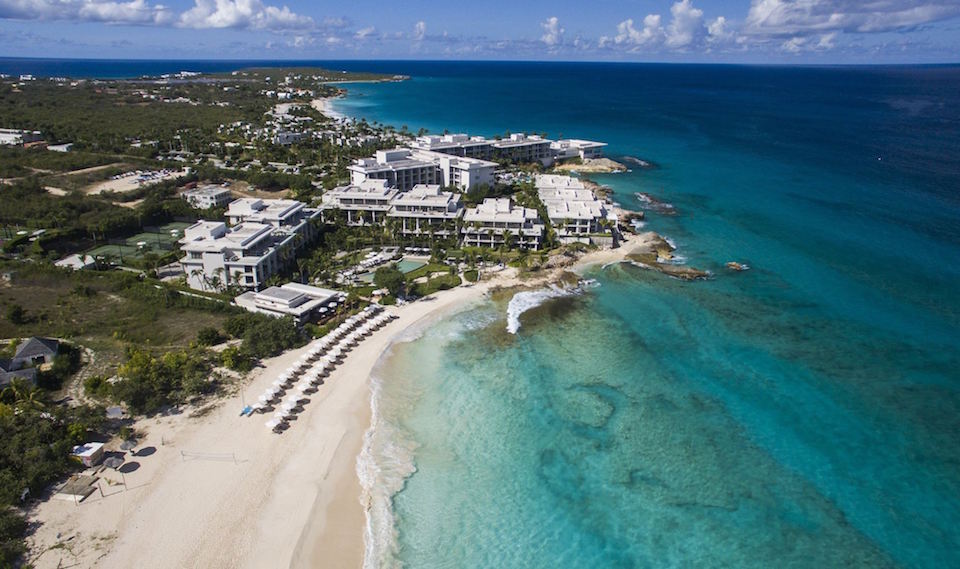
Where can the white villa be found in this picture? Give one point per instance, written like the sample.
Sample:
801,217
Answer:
491,222
207,197
262,238
404,168
426,208
574,211
364,203
301,302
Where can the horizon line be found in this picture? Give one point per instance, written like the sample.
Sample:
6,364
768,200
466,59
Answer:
408,60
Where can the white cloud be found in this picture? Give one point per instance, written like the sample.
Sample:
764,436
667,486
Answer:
686,27
364,33
810,17
717,31
420,30
652,31
108,11
552,32
242,14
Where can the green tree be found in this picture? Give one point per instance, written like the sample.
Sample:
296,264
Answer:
390,278
16,314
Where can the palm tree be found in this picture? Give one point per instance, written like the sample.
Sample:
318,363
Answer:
23,394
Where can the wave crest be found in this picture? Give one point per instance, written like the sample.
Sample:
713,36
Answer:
530,299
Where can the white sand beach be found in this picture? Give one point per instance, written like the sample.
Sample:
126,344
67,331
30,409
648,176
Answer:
221,490
324,106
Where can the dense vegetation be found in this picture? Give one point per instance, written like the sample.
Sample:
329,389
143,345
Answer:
34,452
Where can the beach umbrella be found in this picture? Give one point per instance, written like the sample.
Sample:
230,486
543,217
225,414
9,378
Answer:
272,423
113,462
128,444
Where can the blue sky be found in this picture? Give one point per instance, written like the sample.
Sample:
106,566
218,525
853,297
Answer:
759,31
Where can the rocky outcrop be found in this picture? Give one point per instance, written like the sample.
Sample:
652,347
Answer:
656,253
591,165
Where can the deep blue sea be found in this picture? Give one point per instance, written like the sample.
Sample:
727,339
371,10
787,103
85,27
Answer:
805,413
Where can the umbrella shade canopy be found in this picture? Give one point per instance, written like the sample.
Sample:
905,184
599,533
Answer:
113,462
128,444
272,423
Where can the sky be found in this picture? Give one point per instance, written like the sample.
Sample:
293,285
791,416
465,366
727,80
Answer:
734,31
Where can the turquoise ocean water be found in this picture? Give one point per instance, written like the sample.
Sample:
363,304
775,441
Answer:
805,413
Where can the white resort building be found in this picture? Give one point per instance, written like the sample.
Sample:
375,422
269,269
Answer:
364,203
263,237
576,148
398,167
497,219
516,148
427,209
207,197
404,168
303,303
574,211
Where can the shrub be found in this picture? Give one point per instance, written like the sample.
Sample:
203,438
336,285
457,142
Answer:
471,275
209,336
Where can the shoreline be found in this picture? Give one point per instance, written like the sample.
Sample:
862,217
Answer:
324,106
216,483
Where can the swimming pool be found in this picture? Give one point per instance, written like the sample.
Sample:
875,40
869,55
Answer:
405,265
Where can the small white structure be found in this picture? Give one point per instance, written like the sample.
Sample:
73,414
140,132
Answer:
299,301
207,197
76,262
576,148
90,454
65,147
499,220
364,203
14,137
426,209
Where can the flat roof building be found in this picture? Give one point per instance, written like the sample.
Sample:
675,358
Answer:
301,302
16,137
263,237
207,197
499,220
427,209
576,148
398,167
364,203
574,211
404,168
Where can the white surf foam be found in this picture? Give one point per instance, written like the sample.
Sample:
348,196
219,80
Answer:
385,463
529,299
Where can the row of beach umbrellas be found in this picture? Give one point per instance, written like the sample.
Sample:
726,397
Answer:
291,389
